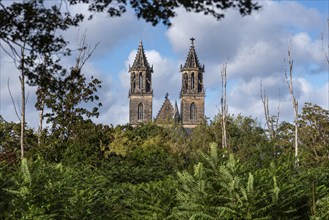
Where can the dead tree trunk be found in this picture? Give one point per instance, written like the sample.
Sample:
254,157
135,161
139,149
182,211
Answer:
271,121
41,111
323,49
23,100
326,52
294,102
224,108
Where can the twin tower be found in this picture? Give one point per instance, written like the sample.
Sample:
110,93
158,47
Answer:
192,93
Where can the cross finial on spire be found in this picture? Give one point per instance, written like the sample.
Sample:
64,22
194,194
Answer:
192,40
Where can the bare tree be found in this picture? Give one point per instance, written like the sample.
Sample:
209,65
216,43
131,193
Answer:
23,102
272,122
224,108
326,52
18,56
41,108
289,81
323,49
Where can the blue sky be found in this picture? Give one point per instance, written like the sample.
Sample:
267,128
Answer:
254,48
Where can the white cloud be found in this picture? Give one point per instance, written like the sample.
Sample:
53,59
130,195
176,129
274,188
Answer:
255,48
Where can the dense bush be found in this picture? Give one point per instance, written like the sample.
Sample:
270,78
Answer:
152,172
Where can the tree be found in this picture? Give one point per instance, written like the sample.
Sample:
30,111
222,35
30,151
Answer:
294,102
10,141
27,32
314,133
272,122
162,11
224,108
70,91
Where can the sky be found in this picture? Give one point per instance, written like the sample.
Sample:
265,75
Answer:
254,47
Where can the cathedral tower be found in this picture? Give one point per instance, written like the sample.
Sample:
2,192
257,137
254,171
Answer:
192,92
140,92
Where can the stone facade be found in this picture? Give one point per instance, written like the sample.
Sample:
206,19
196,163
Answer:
192,111
168,114
192,93
138,114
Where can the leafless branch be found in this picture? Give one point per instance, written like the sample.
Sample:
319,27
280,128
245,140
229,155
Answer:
12,99
27,98
271,121
322,40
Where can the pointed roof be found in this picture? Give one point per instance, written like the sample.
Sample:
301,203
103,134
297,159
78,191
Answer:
167,112
192,60
140,59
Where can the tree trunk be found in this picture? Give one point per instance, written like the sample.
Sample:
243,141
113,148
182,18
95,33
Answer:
41,122
224,106
294,103
22,80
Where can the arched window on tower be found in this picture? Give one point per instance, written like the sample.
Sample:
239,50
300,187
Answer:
140,83
193,112
140,111
192,81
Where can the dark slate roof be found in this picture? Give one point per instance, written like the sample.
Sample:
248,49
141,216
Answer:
167,112
140,59
192,60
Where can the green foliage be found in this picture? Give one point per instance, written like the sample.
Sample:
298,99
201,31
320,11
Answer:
162,11
152,200
246,140
9,140
5,182
314,134
152,172
225,188
66,102
28,29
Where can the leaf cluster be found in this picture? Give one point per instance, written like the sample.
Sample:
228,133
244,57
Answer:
155,12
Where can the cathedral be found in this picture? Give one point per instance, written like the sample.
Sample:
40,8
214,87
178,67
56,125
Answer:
192,93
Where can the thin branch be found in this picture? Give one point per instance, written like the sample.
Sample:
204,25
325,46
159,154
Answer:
27,98
7,52
271,121
322,40
12,99
278,114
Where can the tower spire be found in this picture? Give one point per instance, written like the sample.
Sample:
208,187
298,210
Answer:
192,92
140,92
192,60
140,59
